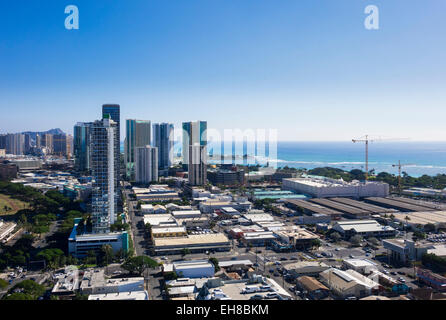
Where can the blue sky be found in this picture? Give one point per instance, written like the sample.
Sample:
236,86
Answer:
308,68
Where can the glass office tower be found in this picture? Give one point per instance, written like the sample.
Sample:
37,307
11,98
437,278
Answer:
113,110
163,136
137,134
81,146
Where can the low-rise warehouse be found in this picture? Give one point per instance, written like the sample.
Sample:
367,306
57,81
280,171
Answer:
305,268
296,237
191,269
195,243
321,187
365,228
349,211
315,289
437,218
349,283
363,266
166,232
399,205
311,208
363,205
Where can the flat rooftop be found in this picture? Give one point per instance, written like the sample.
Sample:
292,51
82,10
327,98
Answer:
134,295
256,217
312,207
416,202
363,226
340,207
399,205
157,230
423,218
363,205
193,239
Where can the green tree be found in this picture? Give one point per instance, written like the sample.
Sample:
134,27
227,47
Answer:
107,255
137,265
430,227
185,251
374,241
25,290
335,236
214,261
316,243
3,284
355,240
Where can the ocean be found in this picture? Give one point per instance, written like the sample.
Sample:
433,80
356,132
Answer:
421,157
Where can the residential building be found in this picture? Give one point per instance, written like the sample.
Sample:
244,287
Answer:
197,164
105,171
193,132
113,111
14,143
138,134
47,142
8,170
82,146
62,145
146,164
163,139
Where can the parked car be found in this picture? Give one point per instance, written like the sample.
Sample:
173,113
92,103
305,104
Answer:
271,295
250,289
265,288
256,297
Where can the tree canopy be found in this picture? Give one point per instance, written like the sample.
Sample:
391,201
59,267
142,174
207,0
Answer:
137,265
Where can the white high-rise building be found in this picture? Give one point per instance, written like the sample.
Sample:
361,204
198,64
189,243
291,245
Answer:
193,132
105,170
146,164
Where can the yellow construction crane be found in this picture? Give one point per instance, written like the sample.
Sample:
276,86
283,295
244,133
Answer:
400,165
366,140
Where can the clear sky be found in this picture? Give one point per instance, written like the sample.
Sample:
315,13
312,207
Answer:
306,67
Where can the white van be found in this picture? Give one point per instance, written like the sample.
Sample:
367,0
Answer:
250,289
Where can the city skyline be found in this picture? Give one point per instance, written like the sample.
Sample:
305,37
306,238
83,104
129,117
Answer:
226,62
